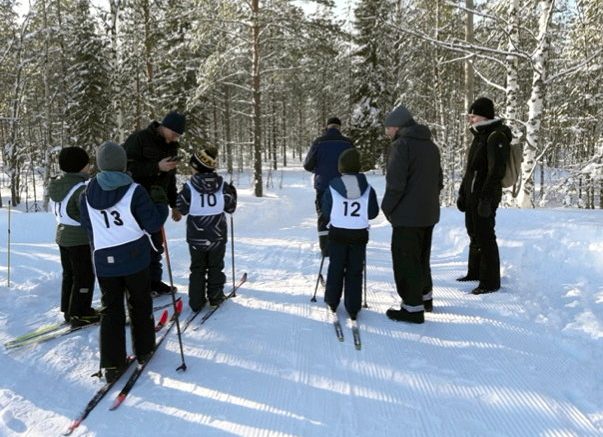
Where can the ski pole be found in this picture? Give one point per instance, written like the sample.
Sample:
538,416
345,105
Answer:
322,260
234,293
364,266
169,266
8,253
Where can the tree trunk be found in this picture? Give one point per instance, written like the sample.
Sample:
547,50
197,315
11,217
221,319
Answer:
257,94
227,132
535,106
512,67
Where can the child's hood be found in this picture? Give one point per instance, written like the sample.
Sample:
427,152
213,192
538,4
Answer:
207,183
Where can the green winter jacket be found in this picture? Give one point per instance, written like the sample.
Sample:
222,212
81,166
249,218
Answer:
68,236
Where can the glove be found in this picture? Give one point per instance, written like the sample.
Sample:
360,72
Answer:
157,242
460,204
483,208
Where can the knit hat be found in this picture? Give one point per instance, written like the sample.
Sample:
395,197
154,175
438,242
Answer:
205,160
73,159
399,117
484,107
175,121
349,161
334,120
111,157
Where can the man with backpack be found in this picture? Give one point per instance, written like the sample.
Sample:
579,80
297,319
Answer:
481,192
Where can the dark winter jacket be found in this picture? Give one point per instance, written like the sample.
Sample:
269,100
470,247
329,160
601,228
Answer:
207,232
145,148
323,156
350,186
414,179
130,257
67,235
486,163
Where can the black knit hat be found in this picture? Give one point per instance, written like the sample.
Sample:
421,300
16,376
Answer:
205,160
73,159
482,106
175,121
349,161
334,120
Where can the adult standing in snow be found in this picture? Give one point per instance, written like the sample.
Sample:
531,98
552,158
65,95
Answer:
412,206
77,286
118,215
481,192
151,161
322,160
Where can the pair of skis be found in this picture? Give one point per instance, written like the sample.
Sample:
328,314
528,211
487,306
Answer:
212,310
101,392
339,329
334,318
140,368
56,330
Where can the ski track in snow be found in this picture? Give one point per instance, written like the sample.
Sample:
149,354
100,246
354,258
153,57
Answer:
521,362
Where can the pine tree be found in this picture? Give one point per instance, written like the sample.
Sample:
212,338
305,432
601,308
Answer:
89,97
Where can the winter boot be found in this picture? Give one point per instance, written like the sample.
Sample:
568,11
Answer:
88,319
402,315
215,301
467,278
159,288
484,290
428,305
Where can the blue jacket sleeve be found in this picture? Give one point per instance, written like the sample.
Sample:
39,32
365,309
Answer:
326,205
373,205
230,198
310,161
145,212
183,201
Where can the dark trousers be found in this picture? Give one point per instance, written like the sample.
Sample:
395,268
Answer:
156,268
207,276
411,252
137,291
346,263
78,280
322,222
484,260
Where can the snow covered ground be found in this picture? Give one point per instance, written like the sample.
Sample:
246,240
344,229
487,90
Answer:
522,362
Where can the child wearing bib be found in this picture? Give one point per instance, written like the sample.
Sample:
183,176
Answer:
205,198
350,202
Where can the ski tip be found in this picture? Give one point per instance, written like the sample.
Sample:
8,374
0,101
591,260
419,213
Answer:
164,317
72,427
118,401
179,305
244,277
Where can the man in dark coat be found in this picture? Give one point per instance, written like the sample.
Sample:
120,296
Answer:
151,152
411,204
481,192
322,160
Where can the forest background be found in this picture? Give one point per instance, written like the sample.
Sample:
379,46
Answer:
259,78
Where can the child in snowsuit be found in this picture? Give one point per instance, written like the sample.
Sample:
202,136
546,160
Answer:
76,259
350,202
206,198
119,215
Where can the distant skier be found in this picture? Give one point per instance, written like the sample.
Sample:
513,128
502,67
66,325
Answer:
76,259
119,215
322,160
206,198
348,205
